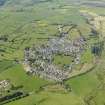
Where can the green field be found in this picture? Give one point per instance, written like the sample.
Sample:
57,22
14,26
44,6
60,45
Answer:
27,23
18,77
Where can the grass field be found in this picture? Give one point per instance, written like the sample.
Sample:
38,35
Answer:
84,84
80,85
24,23
18,77
50,99
59,60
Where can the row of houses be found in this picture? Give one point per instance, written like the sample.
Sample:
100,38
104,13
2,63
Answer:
50,71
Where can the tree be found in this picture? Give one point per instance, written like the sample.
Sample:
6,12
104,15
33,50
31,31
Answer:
97,48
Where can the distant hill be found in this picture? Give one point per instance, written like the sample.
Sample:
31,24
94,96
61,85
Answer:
2,2
22,3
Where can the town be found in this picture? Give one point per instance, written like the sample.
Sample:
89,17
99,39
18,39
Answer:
40,58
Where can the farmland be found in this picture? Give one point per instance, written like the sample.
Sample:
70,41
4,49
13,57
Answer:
57,27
